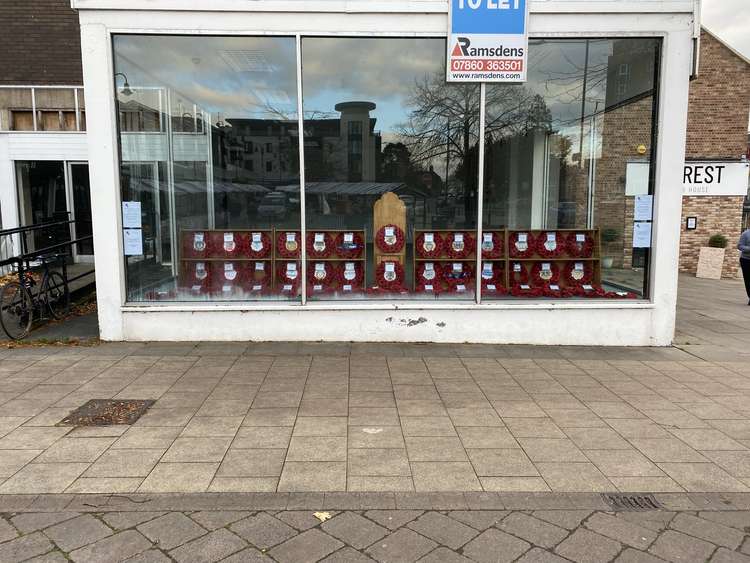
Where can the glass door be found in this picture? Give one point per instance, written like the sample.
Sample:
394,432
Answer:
79,197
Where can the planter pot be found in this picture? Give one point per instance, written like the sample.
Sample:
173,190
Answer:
710,263
608,262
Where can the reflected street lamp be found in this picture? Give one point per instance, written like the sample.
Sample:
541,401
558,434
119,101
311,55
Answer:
126,91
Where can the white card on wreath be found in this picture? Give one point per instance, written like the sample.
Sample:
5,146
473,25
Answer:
389,231
291,267
554,287
458,267
429,238
580,237
319,237
487,237
491,286
516,267
347,287
551,237
320,267
349,266
588,287
197,288
579,267
228,237
523,237
291,237
199,237
460,288
256,237
525,287
260,266
429,266
390,267
428,288
348,237
546,266
257,287
228,267
458,237
226,288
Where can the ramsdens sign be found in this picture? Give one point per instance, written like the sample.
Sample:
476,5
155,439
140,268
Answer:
715,178
487,40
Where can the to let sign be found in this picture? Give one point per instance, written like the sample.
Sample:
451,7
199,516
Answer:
715,178
487,40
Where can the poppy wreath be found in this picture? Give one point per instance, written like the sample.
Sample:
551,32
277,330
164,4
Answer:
520,277
349,249
497,247
497,277
397,246
514,250
221,249
265,247
580,291
327,249
516,290
452,279
252,279
421,279
544,252
539,280
397,284
325,284
422,252
491,288
191,278
422,288
192,247
359,276
578,249
282,250
570,280
468,249
283,279
556,292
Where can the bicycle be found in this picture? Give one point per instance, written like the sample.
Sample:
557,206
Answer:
19,304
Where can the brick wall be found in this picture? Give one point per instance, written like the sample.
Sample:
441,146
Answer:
40,43
717,129
715,215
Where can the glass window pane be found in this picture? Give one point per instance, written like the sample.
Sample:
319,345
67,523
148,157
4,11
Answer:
42,199
209,141
378,123
566,154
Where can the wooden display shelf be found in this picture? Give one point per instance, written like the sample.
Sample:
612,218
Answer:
228,259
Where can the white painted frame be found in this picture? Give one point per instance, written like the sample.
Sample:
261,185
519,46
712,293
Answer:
547,322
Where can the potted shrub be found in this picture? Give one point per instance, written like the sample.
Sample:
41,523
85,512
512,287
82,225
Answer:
711,258
608,236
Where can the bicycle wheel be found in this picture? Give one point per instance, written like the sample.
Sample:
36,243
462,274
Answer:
57,295
16,310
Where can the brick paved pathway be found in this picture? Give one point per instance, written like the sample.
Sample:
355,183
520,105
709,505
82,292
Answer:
442,528
293,417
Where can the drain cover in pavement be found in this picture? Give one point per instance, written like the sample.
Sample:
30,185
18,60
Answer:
105,412
632,503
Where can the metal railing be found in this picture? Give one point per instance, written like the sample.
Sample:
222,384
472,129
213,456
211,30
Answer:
19,255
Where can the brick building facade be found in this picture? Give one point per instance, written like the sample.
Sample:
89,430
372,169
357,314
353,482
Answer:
40,43
717,130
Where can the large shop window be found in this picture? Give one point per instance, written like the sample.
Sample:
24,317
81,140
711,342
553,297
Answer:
210,156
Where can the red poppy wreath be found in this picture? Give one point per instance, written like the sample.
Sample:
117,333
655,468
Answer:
580,245
259,245
550,244
319,245
429,245
390,276
492,245
521,245
349,245
390,239
288,244
459,245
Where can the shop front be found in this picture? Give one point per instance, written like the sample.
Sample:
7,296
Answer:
293,170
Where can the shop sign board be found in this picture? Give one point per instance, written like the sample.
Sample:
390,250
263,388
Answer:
487,40
715,178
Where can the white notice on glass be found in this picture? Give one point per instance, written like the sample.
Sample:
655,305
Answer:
644,208
131,214
133,242
642,235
